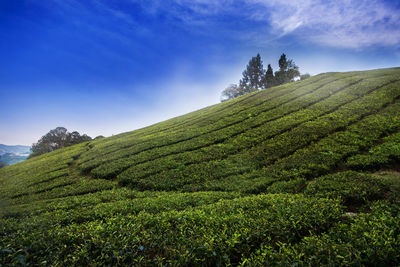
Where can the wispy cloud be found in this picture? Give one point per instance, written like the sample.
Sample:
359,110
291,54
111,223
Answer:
340,23
336,23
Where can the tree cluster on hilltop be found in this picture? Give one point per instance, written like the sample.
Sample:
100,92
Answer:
56,139
255,77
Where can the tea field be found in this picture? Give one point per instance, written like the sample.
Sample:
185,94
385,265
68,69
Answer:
302,174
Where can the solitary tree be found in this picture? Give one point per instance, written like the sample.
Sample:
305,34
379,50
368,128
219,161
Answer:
269,79
56,139
253,76
287,70
231,92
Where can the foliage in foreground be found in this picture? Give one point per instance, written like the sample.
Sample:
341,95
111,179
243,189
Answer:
219,233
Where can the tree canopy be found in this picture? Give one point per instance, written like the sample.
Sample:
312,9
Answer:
269,79
56,139
232,91
253,76
288,70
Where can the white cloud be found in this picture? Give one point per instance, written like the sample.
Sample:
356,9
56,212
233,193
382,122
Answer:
341,23
337,23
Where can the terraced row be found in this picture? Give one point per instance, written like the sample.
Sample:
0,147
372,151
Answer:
206,115
198,169
224,132
257,127
203,228
152,233
40,171
189,132
211,115
324,155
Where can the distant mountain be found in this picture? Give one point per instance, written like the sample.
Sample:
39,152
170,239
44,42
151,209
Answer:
13,154
17,150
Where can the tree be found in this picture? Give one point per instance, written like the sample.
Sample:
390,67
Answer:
231,92
269,78
253,76
75,138
281,74
287,70
56,139
256,78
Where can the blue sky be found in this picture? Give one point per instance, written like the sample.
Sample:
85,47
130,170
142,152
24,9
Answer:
103,67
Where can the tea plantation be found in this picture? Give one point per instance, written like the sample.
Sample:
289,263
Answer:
303,174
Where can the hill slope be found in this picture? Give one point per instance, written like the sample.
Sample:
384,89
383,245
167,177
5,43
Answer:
267,178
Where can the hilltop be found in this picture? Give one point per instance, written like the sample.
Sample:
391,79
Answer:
303,173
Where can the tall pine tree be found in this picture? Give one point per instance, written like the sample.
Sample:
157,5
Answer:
253,76
269,79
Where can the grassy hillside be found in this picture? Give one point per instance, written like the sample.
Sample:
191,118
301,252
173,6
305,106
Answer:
304,173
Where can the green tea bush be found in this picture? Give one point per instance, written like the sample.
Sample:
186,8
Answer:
384,154
291,186
370,239
220,233
352,187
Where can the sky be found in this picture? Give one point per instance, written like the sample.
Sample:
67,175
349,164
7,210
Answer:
103,67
